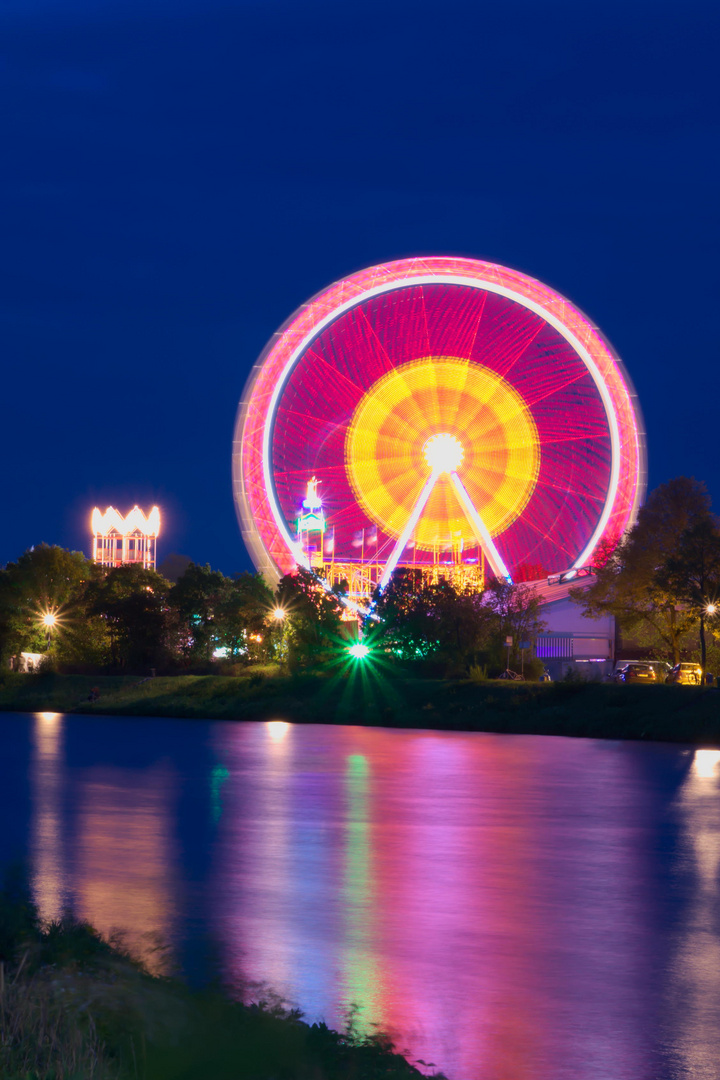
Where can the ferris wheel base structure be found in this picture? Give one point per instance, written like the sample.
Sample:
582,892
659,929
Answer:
449,415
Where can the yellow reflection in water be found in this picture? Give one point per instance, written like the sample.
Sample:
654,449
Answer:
277,729
694,987
47,843
124,856
49,719
705,763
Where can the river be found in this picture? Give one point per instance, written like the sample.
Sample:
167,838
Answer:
507,907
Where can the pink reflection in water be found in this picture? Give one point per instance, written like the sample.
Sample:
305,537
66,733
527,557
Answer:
506,907
483,899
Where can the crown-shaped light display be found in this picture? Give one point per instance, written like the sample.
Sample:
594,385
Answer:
119,540
112,521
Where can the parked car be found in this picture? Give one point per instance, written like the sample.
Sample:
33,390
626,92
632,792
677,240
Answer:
639,672
661,669
686,674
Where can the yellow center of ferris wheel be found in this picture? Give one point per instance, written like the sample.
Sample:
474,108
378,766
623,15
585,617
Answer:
435,417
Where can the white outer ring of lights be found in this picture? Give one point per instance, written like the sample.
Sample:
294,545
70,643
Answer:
481,286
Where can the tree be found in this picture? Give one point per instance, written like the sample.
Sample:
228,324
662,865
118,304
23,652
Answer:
629,581
517,614
44,579
133,603
198,598
692,574
405,625
312,621
243,617
419,619
217,612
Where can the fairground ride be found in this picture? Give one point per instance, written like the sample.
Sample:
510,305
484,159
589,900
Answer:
441,413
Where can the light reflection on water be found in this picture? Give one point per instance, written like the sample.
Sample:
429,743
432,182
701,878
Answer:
507,907
694,989
124,857
115,865
48,839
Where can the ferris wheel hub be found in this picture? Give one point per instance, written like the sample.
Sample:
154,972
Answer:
443,453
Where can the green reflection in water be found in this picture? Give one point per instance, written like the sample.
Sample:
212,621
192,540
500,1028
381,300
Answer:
217,778
361,982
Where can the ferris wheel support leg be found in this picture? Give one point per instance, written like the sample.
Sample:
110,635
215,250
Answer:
408,530
484,538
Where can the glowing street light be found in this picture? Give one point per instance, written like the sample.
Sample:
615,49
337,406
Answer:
49,620
278,614
358,651
711,609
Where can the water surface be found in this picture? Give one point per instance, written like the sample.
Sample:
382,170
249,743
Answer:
508,907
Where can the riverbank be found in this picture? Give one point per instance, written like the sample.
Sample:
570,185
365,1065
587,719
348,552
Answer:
75,1005
375,698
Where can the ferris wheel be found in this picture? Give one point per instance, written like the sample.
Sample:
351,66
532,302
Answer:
442,413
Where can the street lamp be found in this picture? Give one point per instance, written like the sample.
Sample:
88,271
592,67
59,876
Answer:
708,609
358,651
278,614
49,620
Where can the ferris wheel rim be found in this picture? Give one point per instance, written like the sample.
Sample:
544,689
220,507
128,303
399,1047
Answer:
379,290
433,271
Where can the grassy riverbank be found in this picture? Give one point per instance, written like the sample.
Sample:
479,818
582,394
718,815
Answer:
75,1006
371,697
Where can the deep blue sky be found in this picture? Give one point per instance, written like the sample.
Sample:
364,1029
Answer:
179,175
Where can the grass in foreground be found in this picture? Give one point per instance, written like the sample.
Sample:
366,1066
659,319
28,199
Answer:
73,1005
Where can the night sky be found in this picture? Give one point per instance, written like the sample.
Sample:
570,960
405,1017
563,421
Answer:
179,175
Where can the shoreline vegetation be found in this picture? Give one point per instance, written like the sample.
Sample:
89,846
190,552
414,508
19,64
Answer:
373,697
74,1005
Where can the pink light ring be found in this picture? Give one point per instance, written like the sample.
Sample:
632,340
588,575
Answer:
275,363
629,414
633,444
475,281
598,353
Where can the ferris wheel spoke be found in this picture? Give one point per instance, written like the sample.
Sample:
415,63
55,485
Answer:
482,535
409,529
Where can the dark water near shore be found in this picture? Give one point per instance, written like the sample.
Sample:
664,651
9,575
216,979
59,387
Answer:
508,907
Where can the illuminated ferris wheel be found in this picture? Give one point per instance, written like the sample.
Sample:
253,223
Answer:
442,413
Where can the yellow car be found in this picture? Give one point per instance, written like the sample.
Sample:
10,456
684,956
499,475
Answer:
687,674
